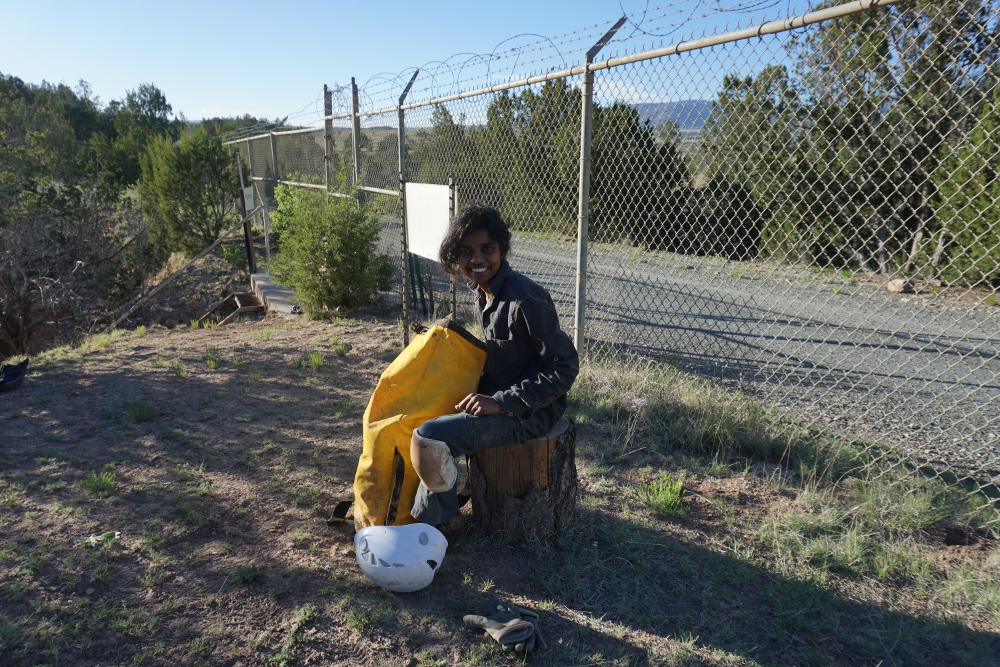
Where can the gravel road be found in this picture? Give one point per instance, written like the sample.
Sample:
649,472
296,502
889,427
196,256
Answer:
915,371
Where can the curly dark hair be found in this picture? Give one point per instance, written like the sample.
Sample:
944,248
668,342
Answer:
473,217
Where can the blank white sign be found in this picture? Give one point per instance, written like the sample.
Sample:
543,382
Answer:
428,212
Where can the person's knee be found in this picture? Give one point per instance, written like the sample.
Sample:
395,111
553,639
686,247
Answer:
436,429
432,459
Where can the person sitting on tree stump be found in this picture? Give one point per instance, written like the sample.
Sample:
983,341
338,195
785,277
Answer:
530,366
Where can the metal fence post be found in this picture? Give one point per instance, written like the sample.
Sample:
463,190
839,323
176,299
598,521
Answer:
583,203
356,138
250,160
401,140
247,232
328,135
262,194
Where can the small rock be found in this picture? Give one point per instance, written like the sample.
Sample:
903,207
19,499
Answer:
899,286
89,591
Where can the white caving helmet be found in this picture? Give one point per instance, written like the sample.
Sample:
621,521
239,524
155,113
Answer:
401,559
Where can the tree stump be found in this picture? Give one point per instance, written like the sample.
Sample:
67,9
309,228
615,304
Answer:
527,489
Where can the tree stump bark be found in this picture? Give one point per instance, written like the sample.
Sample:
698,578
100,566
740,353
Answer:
527,489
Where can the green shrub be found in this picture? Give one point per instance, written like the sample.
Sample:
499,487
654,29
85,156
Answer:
212,358
969,208
141,411
236,256
328,250
250,573
101,483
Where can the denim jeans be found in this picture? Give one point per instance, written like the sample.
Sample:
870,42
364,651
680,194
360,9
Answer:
464,434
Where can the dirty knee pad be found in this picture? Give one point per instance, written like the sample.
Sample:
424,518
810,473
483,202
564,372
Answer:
432,459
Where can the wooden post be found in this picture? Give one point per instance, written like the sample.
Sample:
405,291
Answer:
527,490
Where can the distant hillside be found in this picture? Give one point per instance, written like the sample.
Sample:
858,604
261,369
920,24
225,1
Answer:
689,115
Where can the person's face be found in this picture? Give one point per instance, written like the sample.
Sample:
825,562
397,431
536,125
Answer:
479,258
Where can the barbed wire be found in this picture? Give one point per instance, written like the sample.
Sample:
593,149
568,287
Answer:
456,73
312,110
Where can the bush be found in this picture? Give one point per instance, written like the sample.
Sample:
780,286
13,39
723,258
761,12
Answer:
328,251
188,190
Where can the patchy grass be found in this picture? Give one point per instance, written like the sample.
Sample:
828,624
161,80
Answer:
250,573
141,411
101,483
663,497
213,359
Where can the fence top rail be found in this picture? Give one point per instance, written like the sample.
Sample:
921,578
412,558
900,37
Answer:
281,181
303,130
769,28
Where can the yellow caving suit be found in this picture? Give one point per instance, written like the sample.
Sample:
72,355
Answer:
439,368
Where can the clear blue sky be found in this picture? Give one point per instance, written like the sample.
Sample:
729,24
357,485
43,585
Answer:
221,58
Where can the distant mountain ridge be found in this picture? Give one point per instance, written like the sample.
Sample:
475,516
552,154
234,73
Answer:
690,115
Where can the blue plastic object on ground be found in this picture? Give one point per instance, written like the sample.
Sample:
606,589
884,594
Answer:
12,375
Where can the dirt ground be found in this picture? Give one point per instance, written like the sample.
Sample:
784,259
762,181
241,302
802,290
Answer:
216,455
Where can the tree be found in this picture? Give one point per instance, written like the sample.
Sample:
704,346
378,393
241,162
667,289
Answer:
241,126
530,157
839,153
66,257
65,120
143,116
528,164
443,150
750,144
188,190
328,250
637,180
969,207
720,219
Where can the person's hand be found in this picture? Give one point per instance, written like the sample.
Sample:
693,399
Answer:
479,405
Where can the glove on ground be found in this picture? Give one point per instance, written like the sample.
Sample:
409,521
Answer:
514,628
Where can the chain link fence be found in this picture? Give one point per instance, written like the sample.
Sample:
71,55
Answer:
807,210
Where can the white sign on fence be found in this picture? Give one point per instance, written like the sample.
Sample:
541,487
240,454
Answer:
428,209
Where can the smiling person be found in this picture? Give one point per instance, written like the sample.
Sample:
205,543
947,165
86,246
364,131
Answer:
530,367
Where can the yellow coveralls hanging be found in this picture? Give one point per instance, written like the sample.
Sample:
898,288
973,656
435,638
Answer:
439,368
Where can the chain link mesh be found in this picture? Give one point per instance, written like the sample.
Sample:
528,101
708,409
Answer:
811,217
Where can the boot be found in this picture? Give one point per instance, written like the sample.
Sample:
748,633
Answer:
454,531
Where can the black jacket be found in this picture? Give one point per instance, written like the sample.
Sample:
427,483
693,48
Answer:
530,363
